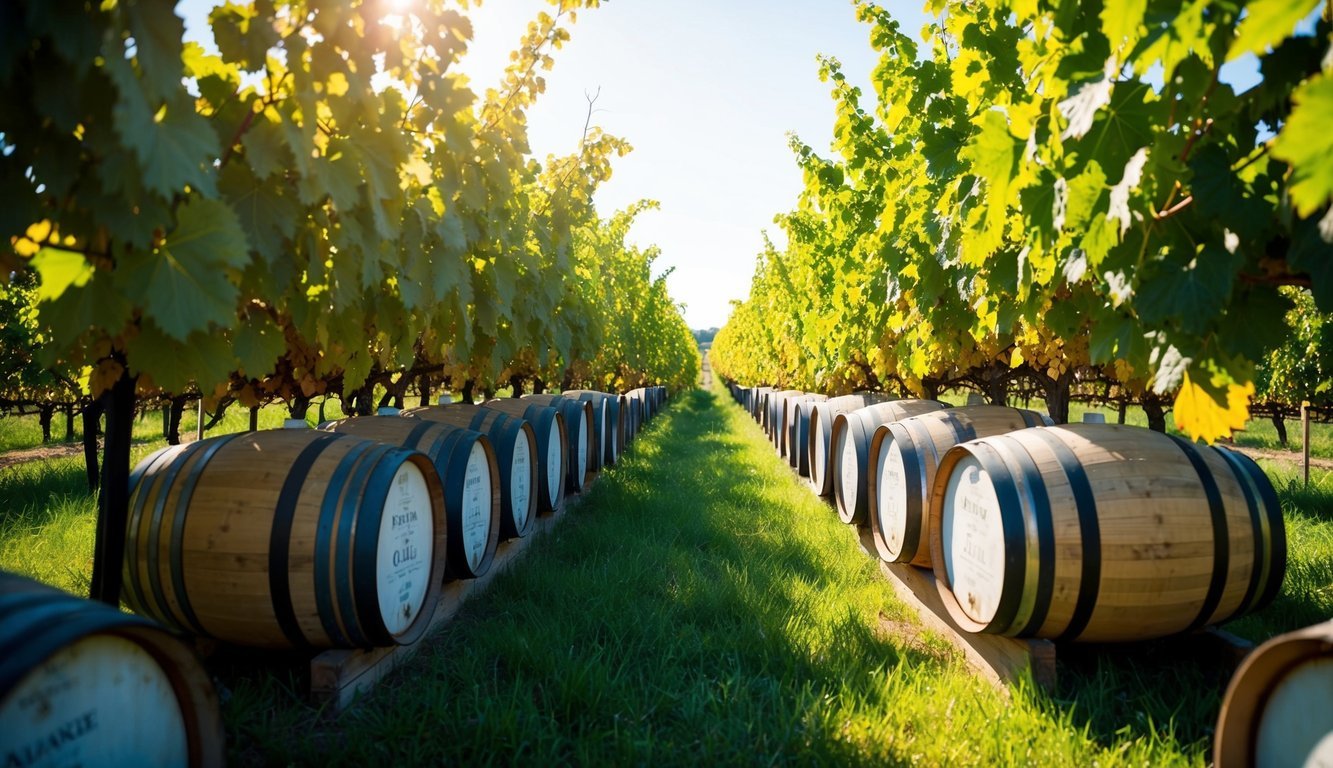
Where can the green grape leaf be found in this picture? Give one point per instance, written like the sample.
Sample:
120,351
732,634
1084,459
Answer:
1123,127
1307,144
1244,336
184,286
1214,186
95,305
217,80
157,34
183,153
203,358
268,214
265,150
59,269
1192,292
257,345
1085,191
1112,336
241,34
339,178
1100,237
1311,252
1267,23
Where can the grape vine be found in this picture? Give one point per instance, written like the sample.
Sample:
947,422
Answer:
1060,193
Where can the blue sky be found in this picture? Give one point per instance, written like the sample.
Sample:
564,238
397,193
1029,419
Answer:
705,91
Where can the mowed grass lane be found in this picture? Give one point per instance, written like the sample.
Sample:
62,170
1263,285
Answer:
699,606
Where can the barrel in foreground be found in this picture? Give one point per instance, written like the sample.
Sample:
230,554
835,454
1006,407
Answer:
287,538
82,683
1277,707
1102,533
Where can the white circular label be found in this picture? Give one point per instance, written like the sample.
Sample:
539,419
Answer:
101,701
476,505
973,537
553,452
406,549
891,494
1296,725
848,471
583,448
520,481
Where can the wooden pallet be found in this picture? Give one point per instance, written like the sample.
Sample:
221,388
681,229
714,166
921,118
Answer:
1000,660
338,676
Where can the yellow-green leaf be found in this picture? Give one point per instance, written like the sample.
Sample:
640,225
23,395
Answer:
1208,416
59,269
1267,23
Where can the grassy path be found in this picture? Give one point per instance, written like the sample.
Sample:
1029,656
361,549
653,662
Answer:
700,607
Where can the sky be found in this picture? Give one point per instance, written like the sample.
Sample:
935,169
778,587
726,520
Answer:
706,92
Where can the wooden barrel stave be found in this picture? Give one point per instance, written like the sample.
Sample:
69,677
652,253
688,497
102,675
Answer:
819,444
614,407
1276,708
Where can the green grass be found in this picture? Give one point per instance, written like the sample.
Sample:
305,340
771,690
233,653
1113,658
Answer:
699,606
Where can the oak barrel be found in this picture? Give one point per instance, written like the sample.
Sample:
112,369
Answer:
82,683
465,463
287,538
614,409
582,436
796,430
850,455
638,410
634,407
1278,709
773,423
820,438
553,455
903,458
1102,533
515,447
760,403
